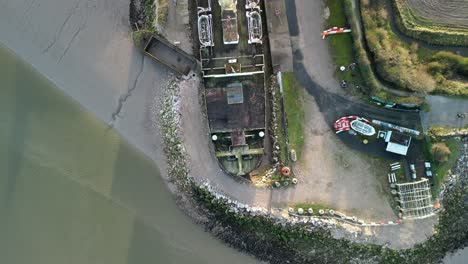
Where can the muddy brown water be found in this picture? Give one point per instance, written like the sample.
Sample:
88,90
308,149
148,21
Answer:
73,191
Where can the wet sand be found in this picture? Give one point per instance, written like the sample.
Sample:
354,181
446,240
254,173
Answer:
115,213
85,48
74,191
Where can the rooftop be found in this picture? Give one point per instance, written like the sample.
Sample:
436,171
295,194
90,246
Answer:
397,143
235,103
398,138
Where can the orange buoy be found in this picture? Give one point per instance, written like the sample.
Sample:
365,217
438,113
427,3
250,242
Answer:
285,171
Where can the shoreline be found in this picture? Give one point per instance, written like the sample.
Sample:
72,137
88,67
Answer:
136,121
106,81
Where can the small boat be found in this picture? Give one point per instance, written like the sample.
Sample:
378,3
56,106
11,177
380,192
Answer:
362,127
252,4
205,30
254,22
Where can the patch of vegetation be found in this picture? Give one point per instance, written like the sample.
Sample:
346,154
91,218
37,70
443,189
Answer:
276,242
368,80
386,96
163,10
341,45
315,206
361,58
293,103
150,13
440,151
443,154
438,131
414,26
282,180
409,67
279,121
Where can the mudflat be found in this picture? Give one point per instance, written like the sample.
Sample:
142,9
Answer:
85,48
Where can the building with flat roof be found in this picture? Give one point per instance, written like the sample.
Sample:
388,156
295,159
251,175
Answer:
397,143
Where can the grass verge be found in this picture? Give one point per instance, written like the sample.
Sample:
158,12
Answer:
293,103
315,206
364,65
341,45
281,133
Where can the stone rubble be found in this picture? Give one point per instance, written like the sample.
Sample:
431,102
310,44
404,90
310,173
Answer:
169,117
169,124
274,124
459,172
308,223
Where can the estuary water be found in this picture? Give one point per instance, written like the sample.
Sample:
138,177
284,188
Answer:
73,191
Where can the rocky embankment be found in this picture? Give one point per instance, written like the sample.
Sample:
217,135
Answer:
279,240
447,132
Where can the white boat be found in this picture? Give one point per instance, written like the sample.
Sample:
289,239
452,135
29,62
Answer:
362,128
254,22
252,4
205,30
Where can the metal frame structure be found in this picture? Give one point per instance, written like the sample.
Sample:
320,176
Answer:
415,199
249,65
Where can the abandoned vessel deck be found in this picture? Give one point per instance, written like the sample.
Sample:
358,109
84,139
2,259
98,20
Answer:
234,78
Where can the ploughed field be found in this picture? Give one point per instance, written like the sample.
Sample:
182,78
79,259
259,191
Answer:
437,13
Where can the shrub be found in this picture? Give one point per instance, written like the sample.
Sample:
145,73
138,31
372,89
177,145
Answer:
440,152
399,64
453,61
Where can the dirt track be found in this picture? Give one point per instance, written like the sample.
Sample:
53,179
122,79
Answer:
447,13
